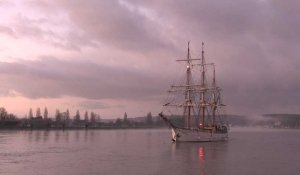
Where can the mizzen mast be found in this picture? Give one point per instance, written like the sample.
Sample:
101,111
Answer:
214,103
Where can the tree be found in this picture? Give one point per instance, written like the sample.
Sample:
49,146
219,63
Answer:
125,120
93,117
30,114
77,116
11,116
86,116
118,122
125,117
98,118
67,115
57,115
38,112
3,113
45,113
149,119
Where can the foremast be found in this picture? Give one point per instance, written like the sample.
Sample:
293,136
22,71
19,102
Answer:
189,87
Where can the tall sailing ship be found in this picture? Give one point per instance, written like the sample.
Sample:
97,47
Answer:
199,100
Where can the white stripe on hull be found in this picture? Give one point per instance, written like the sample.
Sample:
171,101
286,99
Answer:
190,135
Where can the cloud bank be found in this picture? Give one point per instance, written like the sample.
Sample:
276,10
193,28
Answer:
109,50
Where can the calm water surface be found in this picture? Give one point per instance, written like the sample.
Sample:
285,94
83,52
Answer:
114,152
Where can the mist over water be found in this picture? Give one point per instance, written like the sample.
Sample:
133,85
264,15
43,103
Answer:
248,151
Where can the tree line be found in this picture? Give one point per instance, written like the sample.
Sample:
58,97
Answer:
63,119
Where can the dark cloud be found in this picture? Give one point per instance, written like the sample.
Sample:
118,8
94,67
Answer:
35,29
95,104
42,22
231,21
52,78
111,23
254,43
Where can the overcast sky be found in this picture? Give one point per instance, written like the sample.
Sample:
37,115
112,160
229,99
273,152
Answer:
116,56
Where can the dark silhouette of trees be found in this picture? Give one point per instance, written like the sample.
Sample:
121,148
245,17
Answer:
57,115
149,119
118,122
38,113
125,117
67,115
93,117
98,118
30,114
7,120
77,116
126,122
45,113
3,113
86,116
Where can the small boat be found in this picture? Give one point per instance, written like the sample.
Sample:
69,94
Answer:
198,103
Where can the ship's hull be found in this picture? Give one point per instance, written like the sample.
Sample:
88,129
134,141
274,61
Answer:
197,135
207,134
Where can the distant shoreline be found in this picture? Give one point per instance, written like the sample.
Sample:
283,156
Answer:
235,128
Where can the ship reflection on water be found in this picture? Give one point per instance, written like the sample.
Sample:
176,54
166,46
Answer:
206,157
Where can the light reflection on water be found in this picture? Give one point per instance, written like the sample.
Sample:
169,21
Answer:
201,153
204,158
146,152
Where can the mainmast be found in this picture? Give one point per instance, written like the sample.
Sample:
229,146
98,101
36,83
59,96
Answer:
202,94
188,99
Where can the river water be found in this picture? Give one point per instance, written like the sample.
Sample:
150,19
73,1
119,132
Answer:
141,152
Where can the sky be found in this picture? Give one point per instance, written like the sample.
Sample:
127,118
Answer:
117,56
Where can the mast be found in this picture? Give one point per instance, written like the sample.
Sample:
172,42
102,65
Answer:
202,94
214,105
187,88
188,91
